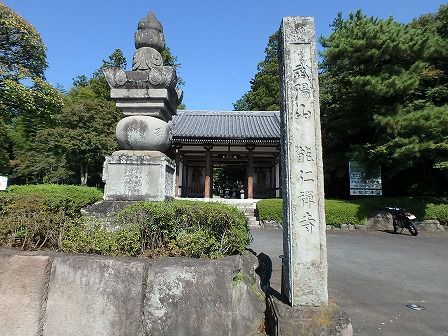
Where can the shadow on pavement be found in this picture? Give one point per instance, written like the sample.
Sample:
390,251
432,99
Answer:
264,271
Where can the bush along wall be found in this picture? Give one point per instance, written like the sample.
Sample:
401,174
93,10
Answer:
170,228
48,216
338,212
35,216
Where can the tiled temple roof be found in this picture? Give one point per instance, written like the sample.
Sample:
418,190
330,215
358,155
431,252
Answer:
229,125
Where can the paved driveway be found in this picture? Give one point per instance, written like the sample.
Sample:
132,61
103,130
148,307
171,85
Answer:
374,275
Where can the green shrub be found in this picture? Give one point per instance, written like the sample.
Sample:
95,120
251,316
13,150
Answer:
187,228
34,216
28,223
270,209
339,212
87,237
70,198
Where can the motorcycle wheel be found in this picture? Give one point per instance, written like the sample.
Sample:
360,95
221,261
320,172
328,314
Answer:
412,229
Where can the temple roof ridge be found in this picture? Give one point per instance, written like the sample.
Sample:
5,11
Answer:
227,124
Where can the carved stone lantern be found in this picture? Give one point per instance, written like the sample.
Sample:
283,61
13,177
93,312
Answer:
148,98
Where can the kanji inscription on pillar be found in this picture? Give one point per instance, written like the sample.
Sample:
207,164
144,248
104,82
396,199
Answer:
305,263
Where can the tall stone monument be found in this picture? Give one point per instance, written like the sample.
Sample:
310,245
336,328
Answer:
305,263
148,98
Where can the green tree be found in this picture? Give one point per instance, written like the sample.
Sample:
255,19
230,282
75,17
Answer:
382,90
98,82
171,60
22,52
264,93
83,136
27,101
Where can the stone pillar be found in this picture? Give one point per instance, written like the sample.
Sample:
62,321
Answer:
305,263
250,172
207,181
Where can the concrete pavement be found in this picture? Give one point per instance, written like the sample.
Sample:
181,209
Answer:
374,275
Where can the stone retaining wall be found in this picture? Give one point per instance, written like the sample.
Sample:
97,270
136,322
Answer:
426,225
57,294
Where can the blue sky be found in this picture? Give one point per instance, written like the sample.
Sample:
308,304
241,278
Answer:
218,43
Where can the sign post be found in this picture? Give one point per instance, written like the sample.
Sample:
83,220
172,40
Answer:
363,184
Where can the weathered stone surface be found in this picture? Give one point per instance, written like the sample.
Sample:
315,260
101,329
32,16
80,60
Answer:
92,296
158,103
428,225
361,227
23,281
138,175
143,133
148,96
380,220
305,266
284,320
344,227
200,297
104,212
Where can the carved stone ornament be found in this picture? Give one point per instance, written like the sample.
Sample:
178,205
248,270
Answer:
147,95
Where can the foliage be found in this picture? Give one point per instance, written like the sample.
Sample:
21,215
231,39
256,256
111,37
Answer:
383,97
170,60
69,198
48,216
29,223
339,212
27,101
84,134
37,216
21,49
264,93
187,228
87,237
270,209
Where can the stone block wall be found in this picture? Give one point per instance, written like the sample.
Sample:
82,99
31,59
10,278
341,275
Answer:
56,294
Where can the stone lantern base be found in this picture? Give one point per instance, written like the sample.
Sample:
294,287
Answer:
138,176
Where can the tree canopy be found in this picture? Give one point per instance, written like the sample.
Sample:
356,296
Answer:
384,100
264,93
27,101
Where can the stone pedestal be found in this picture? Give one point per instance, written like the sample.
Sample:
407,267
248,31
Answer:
138,176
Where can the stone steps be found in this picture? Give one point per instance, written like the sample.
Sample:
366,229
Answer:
249,212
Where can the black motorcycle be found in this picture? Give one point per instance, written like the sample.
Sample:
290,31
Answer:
403,219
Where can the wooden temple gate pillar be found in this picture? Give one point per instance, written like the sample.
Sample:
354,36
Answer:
250,171
208,172
178,169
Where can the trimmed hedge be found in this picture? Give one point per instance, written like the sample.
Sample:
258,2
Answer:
170,228
339,212
48,216
70,198
188,228
270,209
35,216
